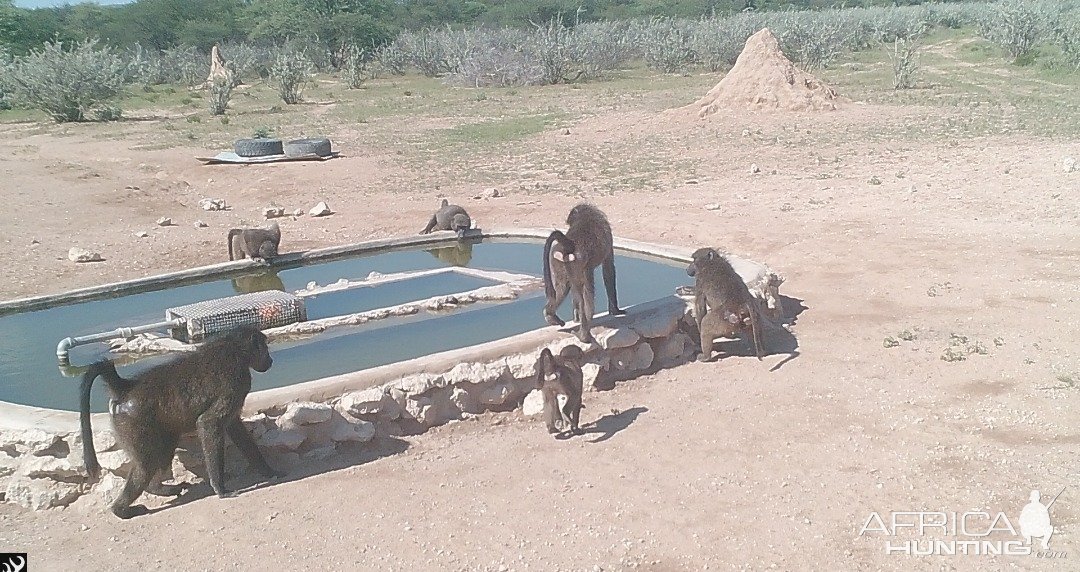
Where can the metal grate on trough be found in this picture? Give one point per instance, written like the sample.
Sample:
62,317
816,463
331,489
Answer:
267,309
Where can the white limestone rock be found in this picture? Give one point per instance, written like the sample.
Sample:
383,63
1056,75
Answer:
658,323
304,413
209,204
288,439
638,358
80,255
48,468
40,494
610,338
533,404
321,209
364,402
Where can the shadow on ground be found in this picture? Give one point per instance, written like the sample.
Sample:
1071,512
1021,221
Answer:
608,425
348,455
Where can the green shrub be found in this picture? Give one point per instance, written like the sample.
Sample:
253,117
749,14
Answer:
1015,25
354,66
66,84
220,90
291,71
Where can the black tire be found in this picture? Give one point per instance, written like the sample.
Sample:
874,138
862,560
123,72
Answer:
316,145
258,147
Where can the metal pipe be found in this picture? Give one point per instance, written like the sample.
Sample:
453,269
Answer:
66,344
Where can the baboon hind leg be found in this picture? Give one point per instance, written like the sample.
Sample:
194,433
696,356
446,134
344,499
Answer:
246,443
551,411
163,472
572,413
212,440
609,285
561,282
584,299
137,481
430,225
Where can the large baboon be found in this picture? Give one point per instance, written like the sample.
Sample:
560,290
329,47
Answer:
449,217
254,242
203,390
723,305
569,261
561,376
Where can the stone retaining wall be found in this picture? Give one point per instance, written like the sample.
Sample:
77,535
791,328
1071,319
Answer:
42,468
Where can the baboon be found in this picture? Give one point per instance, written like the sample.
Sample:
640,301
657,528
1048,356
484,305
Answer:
203,390
449,217
561,376
254,242
723,305
586,244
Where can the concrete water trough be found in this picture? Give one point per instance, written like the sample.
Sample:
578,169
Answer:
411,347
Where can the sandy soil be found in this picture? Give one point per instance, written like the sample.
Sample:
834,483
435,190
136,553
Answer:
729,465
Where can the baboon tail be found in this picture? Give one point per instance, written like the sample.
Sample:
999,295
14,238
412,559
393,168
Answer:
103,368
755,328
232,232
549,286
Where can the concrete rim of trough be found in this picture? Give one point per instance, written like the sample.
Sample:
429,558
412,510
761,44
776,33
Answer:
18,417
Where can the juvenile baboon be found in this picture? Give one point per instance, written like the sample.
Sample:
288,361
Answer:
561,376
203,390
449,217
723,305
254,242
586,244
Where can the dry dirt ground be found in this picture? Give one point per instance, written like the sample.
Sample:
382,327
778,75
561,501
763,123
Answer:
882,219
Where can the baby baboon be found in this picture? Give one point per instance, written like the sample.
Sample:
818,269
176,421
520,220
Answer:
561,376
586,244
449,217
723,304
203,390
254,242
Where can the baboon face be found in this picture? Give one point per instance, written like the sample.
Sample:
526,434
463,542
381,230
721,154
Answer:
563,250
267,250
259,352
460,224
574,214
701,256
545,366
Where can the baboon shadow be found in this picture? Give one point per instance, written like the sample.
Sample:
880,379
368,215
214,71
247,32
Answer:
610,424
780,340
348,455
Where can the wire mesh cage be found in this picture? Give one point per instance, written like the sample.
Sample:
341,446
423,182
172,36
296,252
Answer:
268,309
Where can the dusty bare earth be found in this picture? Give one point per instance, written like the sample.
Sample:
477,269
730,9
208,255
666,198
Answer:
729,465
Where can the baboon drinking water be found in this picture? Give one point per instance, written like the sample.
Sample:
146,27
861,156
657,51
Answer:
723,305
203,390
449,217
569,261
561,376
254,242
